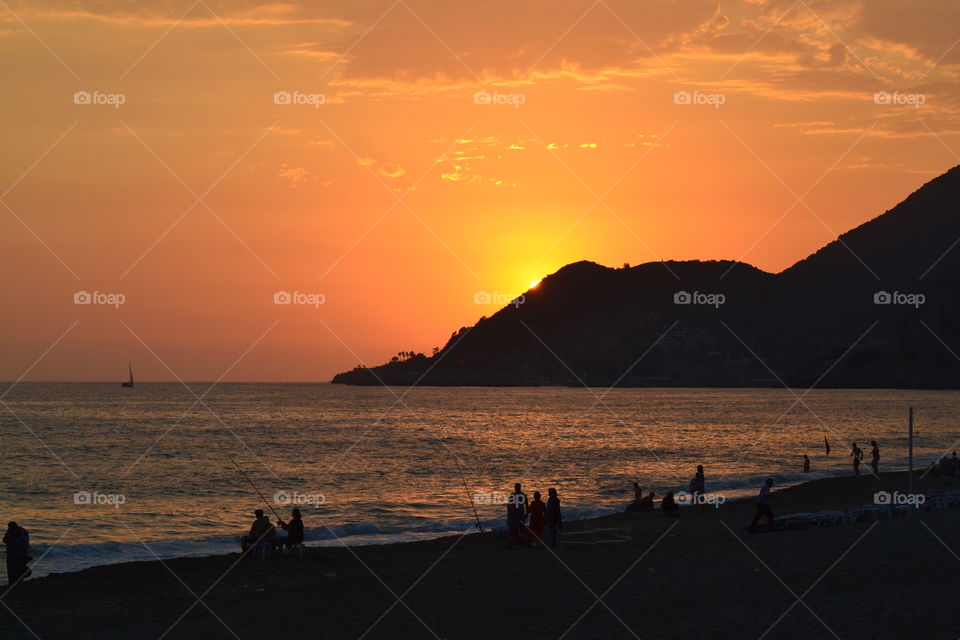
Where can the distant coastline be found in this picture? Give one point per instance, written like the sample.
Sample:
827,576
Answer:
876,308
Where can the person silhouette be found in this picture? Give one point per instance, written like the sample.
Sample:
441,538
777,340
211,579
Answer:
538,513
763,507
260,531
554,517
17,542
516,515
698,488
647,503
857,454
669,506
294,529
875,457
806,464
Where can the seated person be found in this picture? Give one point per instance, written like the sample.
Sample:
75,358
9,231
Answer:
646,504
260,531
294,530
669,506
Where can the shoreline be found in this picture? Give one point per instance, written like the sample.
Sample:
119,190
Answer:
733,489
349,588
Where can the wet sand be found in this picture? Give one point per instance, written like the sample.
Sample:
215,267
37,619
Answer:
696,576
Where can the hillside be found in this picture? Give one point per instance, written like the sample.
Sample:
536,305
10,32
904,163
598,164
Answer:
591,324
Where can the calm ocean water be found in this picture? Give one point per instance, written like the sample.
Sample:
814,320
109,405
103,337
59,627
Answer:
159,470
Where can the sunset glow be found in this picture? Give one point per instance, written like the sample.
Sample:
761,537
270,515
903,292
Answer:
396,159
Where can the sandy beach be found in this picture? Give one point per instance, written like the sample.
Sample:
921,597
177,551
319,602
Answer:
693,576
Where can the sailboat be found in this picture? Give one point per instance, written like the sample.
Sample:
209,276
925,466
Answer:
130,383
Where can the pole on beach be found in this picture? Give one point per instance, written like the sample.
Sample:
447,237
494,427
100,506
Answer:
910,452
269,506
472,503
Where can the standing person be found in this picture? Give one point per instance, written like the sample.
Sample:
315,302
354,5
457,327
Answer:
763,507
806,464
637,497
554,517
875,455
857,454
538,514
516,514
17,541
699,488
294,529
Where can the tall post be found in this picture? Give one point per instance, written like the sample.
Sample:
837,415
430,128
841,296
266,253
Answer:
910,453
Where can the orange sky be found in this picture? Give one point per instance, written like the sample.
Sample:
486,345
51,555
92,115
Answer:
199,197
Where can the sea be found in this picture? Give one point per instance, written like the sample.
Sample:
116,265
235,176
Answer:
100,474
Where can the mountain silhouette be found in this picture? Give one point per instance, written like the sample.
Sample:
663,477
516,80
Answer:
876,308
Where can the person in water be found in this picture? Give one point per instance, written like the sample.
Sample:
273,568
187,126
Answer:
806,464
554,517
294,529
260,531
516,515
763,507
875,457
669,506
538,515
17,542
857,454
647,503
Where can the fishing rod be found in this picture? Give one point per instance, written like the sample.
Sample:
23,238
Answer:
269,506
472,503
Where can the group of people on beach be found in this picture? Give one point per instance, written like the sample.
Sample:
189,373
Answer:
698,488
857,454
263,532
526,520
946,468
668,504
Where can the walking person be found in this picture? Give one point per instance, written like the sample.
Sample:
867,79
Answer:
806,464
857,454
554,517
875,457
763,507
